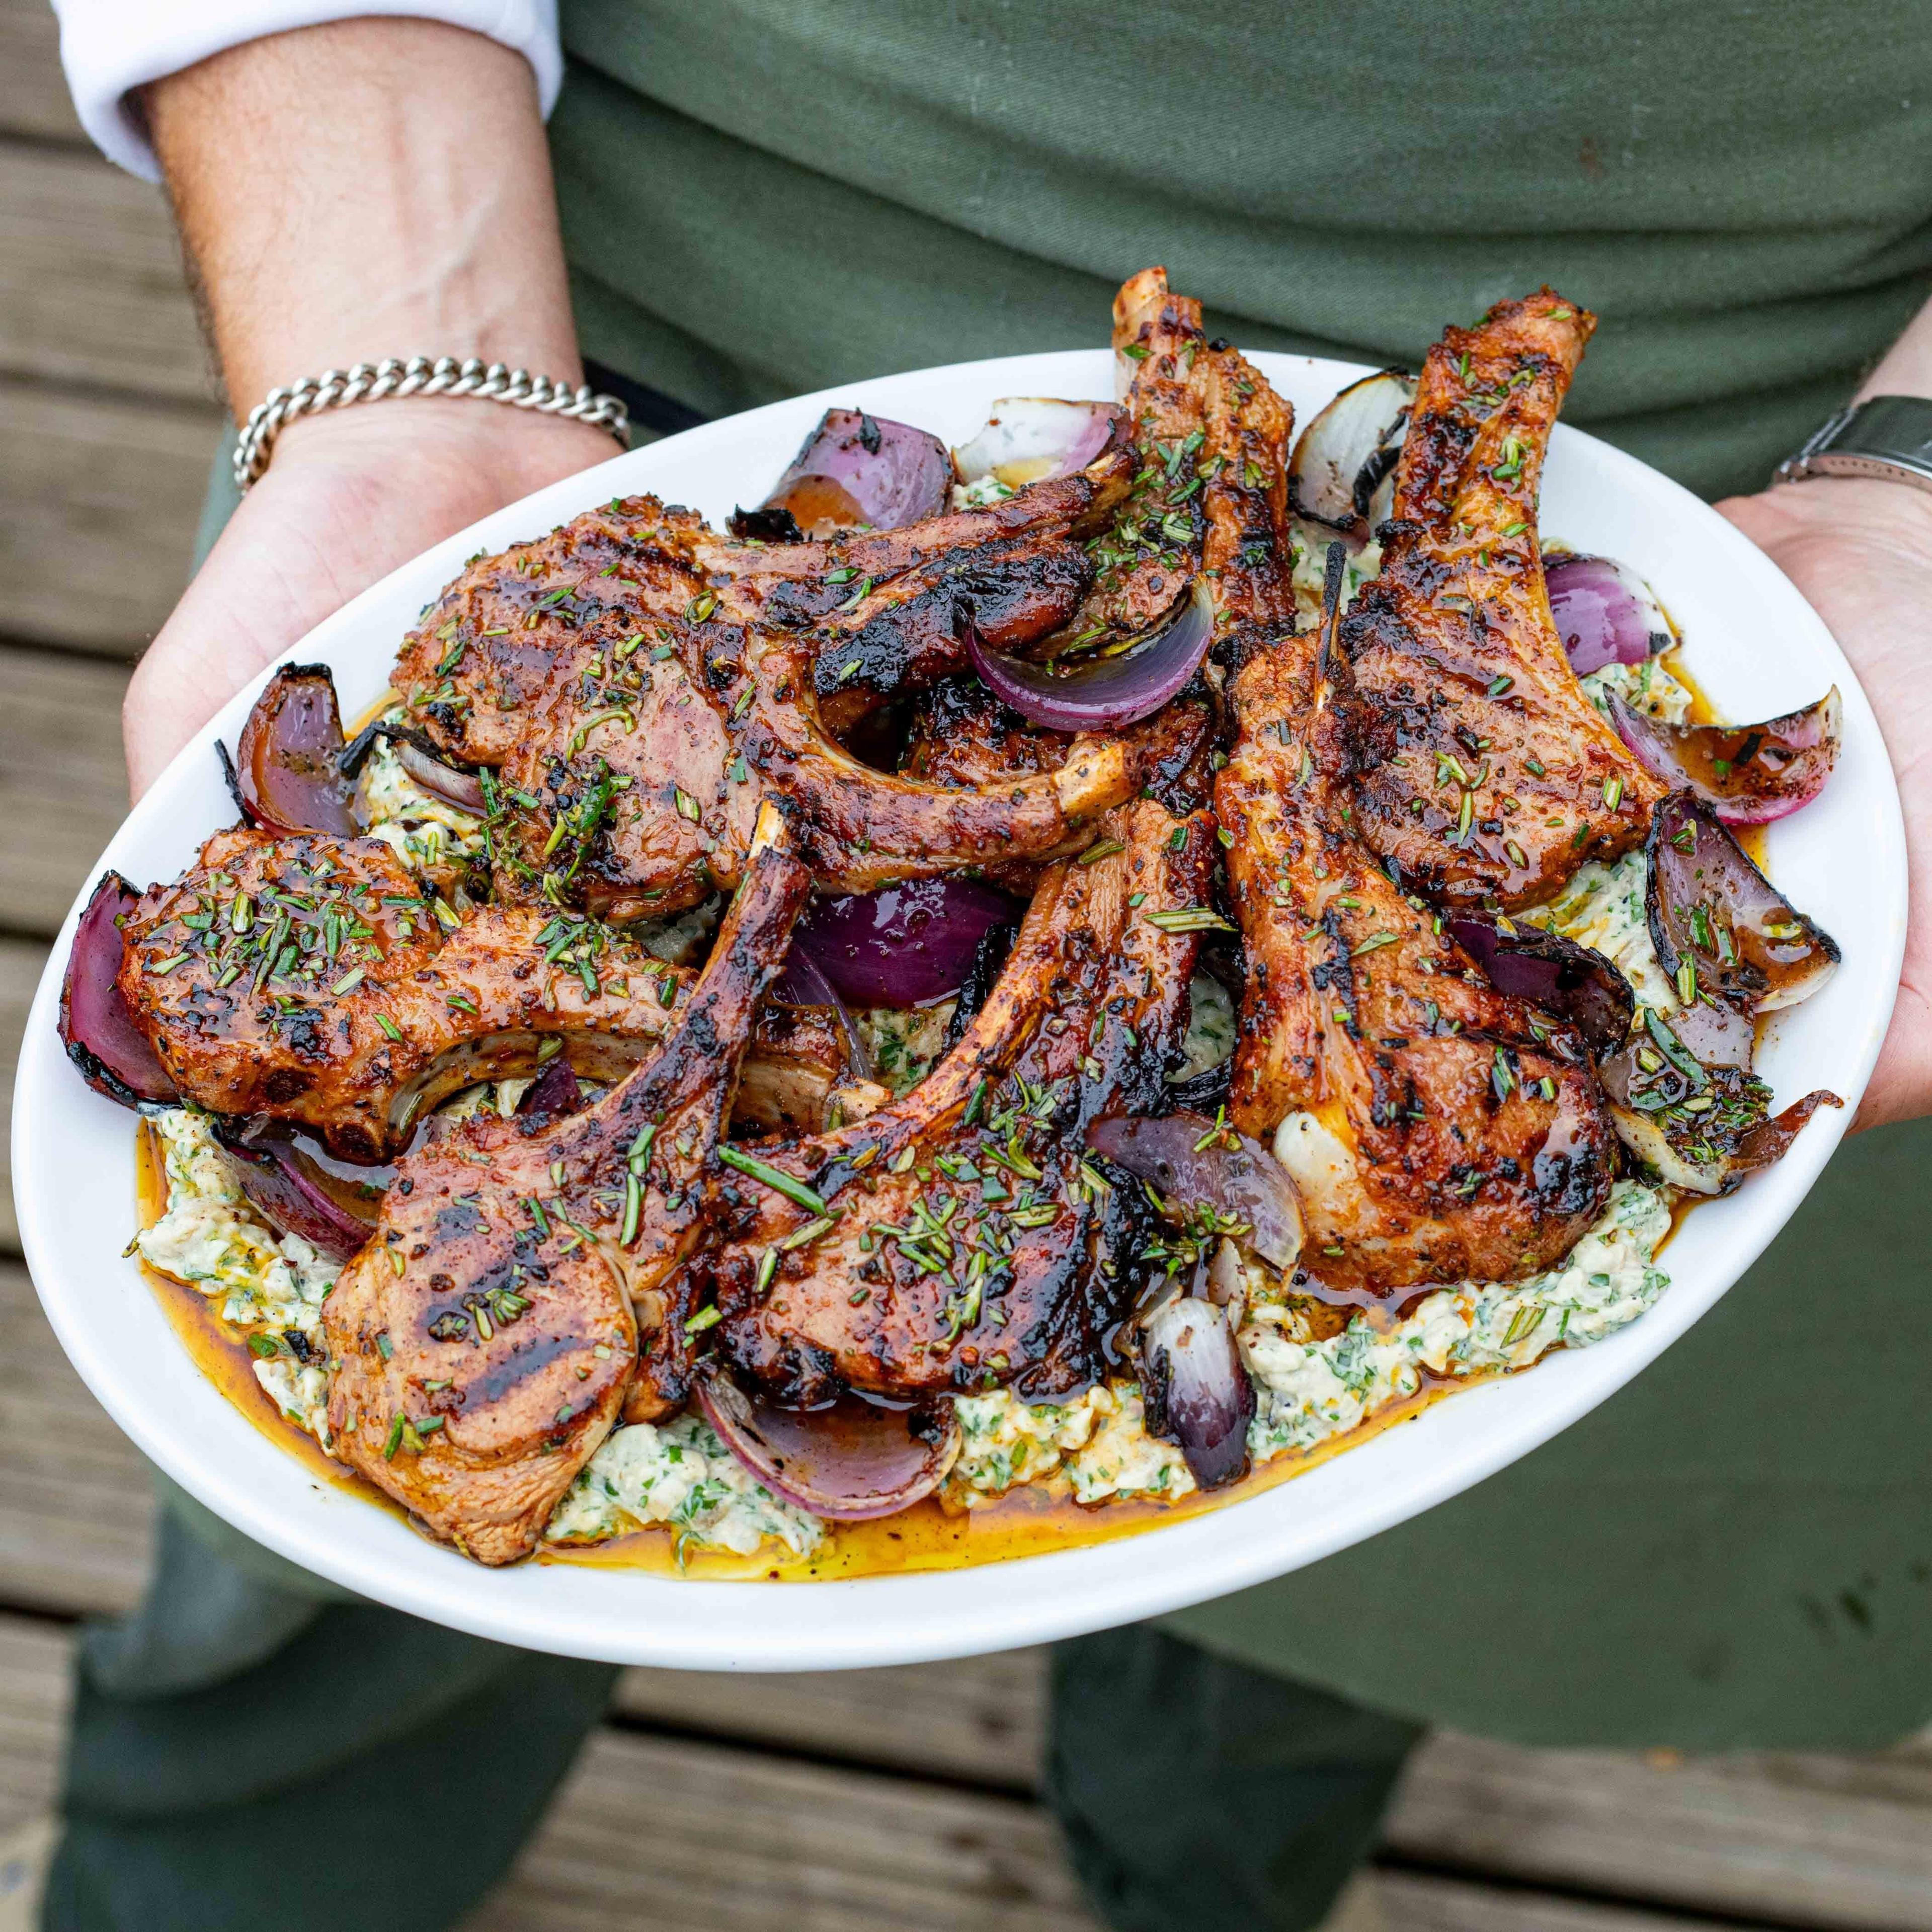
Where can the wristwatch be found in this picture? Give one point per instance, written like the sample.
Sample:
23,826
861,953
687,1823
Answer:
1888,436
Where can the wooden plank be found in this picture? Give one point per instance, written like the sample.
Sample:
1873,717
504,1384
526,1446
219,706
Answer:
1841,1842
1407,1903
33,98
34,1699
92,286
981,1718
76,1510
20,963
99,499
63,787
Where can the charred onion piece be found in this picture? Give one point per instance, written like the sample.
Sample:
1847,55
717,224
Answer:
851,1462
903,945
1089,694
1034,439
295,1194
463,790
1718,924
804,982
1348,450
1702,1128
1605,613
1556,974
1194,1161
1198,1396
115,1057
855,472
1750,774
288,759
553,1093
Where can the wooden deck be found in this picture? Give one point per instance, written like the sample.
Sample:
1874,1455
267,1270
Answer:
897,1799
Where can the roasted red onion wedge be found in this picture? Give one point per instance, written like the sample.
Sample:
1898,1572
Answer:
805,983
1349,449
1196,1393
903,945
1034,439
1750,774
855,471
1701,1128
1098,694
1606,613
1556,974
1718,924
1193,1162
463,790
296,1194
114,1055
848,1462
1715,1034
288,760
553,1094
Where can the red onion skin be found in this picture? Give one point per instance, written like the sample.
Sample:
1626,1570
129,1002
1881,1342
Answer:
1571,982
463,789
290,1191
1244,1179
287,761
1197,1394
904,945
1103,694
1749,774
1694,866
1600,616
849,1463
855,471
114,1056
553,1093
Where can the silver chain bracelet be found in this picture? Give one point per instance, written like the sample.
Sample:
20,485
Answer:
420,375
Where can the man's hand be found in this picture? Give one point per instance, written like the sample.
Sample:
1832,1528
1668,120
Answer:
1861,552
368,187
348,498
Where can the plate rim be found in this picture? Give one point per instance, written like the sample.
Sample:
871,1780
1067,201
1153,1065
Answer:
450,1590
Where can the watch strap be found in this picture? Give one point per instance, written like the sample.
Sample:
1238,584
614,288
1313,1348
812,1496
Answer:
1887,437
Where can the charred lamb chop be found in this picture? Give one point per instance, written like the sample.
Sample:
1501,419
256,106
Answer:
481,1343
1437,1130
960,1238
1486,772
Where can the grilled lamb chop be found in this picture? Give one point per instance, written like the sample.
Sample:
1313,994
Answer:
481,1343
1437,1130
1485,773
966,1242
309,979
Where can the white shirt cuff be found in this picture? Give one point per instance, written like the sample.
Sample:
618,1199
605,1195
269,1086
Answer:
110,47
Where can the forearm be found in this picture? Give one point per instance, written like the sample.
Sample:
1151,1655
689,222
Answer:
1905,368
367,188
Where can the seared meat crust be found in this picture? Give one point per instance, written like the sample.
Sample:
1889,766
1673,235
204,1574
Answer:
481,1343
984,1158
1442,1132
1485,773
343,1004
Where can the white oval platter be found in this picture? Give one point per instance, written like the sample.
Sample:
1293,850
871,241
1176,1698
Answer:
1752,642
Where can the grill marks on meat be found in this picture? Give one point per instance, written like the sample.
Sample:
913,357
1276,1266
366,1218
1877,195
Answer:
1487,774
481,1343
309,979
1441,1132
973,1245
493,644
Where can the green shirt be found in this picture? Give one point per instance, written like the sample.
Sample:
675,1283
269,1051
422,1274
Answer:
764,196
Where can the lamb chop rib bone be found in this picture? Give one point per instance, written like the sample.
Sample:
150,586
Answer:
480,1344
